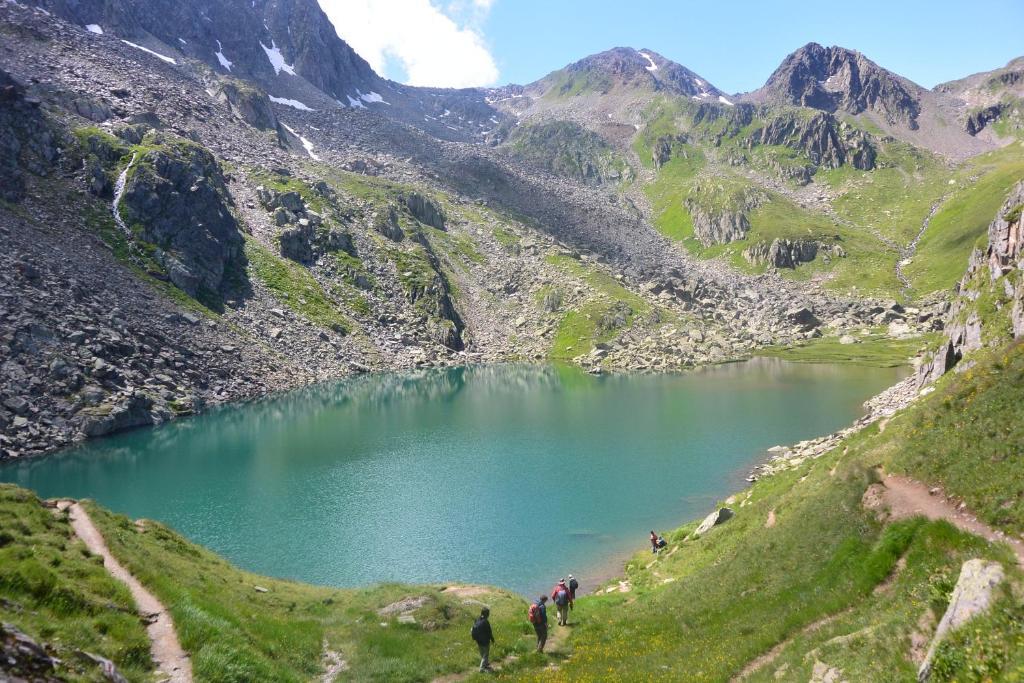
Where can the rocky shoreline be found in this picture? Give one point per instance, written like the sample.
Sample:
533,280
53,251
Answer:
880,407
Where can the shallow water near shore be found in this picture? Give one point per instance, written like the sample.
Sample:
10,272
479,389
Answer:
504,475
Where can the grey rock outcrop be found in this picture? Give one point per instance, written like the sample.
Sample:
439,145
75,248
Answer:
132,410
973,595
175,200
717,227
720,516
27,141
386,223
306,234
786,253
247,103
977,120
997,268
828,142
24,659
424,209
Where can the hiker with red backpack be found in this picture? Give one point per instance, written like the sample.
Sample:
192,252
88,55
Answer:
560,596
538,616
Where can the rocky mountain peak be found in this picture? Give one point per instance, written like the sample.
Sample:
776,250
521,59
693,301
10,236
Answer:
838,79
629,68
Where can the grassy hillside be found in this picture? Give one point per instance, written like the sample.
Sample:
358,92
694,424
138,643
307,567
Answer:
52,588
874,215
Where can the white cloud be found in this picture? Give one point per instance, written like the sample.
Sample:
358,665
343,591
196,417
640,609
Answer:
435,47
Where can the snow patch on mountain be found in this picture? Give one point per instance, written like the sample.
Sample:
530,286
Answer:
277,59
290,103
371,97
354,103
305,143
165,58
94,28
224,61
652,66
724,101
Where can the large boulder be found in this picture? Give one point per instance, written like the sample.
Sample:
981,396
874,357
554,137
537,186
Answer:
247,103
132,410
972,596
802,317
24,659
177,204
720,516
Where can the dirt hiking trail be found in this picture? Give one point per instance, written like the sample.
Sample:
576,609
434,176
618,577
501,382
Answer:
170,659
907,497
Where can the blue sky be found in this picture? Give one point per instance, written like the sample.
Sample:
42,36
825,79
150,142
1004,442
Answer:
735,45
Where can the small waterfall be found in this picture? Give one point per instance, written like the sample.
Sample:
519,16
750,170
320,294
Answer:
118,191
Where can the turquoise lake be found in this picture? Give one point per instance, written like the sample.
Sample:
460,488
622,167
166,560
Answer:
507,475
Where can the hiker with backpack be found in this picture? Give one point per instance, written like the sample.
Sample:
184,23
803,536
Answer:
574,586
538,616
654,542
482,634
560,596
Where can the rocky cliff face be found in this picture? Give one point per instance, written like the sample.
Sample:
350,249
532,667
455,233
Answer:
989,304
836,79
27,142
785,253
828,142
720,211
259,40
175,202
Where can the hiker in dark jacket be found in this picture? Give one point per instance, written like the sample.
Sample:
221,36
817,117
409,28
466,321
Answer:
538,616
560,596
483,636
574,586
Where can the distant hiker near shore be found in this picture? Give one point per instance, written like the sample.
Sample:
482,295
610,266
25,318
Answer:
654,542
538,616
574,586
560,596
483,636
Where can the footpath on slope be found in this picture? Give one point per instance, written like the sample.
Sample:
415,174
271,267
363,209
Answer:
902,498
171,660
906,497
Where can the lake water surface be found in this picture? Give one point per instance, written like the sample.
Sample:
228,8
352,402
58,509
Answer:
509,475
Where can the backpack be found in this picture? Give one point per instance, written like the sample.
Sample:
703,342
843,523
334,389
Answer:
562,598
574,585
534,614
477,633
